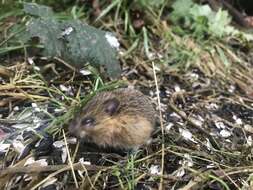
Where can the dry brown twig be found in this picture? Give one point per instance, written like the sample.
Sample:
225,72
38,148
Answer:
162,127
40,169
69,159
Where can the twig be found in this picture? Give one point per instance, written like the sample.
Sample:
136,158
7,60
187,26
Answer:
88,177
205,176
69,159
232,181
238,17
39,169
64,63
162,127
22,95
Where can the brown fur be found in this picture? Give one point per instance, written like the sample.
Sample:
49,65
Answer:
129,127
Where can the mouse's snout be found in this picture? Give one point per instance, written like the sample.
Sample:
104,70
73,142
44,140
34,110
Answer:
73,127
76,130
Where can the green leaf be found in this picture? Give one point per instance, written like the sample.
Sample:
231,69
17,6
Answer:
201,20
87,43
48,31
74,42
197,11
38,10
181,9
218,25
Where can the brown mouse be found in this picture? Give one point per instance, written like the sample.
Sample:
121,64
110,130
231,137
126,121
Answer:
123,118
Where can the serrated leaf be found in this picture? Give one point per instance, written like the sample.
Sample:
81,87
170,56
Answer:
38,10
75,42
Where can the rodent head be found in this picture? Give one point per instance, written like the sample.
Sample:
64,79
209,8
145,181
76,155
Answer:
119,118
94,117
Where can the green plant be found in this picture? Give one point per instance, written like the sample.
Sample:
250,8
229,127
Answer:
200,19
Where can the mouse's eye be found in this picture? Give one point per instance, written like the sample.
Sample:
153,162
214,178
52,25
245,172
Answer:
88,121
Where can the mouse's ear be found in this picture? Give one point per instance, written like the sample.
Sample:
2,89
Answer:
112,106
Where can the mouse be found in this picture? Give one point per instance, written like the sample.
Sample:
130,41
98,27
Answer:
123,118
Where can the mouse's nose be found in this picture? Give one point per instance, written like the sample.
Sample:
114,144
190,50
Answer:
73,127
